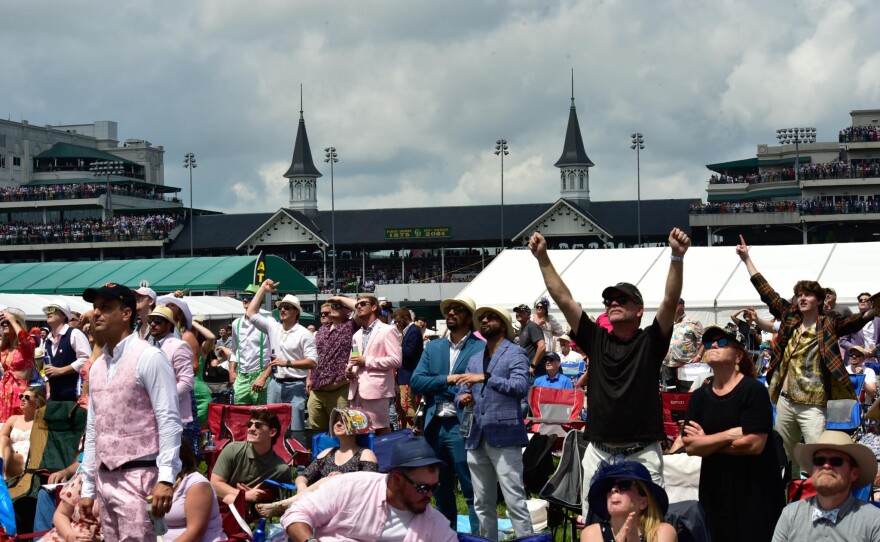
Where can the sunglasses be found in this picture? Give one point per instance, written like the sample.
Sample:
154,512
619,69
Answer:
247,298
50,310
155,320
717,343
856,354
622,485
821,460
421,489
258,425
619,299
457,310
338,306
287,308
864,299
489,316
360,304
24,397
325,313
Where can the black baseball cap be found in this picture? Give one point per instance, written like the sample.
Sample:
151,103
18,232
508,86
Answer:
412,451
111,290
522,308
626,289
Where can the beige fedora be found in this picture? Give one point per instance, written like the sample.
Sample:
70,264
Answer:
462,300
289,299
840,441
502,313
163,312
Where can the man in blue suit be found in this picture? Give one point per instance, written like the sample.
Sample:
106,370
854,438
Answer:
434,379
496,381
412,345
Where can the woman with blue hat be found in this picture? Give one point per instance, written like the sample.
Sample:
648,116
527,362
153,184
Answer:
631,506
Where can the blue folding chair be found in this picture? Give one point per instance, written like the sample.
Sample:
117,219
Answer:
846,414
322,441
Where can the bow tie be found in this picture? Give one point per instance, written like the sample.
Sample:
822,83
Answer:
829,515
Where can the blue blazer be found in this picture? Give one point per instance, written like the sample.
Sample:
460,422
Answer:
411,346
497,414
429,378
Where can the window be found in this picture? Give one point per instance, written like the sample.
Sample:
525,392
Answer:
16,161
2,161
563,182
581,178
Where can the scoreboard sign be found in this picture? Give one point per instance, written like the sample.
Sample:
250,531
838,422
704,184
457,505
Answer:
392,234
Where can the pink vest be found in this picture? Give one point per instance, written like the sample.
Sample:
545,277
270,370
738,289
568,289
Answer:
170,346
125,425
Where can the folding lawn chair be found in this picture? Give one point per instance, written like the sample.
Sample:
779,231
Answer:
846,414
563,489
674,409
322,441
556,412
228,423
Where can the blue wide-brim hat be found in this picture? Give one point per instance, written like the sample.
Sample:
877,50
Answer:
630,470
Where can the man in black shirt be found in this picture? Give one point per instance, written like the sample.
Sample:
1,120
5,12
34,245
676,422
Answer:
531,339
625,415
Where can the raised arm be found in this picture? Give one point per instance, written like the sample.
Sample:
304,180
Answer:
742,250
253,309
555,286
679,242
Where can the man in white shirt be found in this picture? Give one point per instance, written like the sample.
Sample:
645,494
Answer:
67,348
294,349
251,354
133,429
573,365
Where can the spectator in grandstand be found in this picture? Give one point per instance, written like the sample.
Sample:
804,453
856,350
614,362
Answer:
17,359
631,507
572,364
553,378
728,423
547,322
868,336
805,369
624,363
685,346
839,466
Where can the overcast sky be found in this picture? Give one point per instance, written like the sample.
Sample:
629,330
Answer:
414,94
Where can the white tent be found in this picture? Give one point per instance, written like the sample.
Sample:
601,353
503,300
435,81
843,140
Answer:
715,280
212,307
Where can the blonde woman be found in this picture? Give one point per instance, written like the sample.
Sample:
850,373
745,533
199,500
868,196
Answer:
630,505
15,437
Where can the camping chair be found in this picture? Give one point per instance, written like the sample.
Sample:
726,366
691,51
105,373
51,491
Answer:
846,414
228,423
322,441
556,412
563,489
674,410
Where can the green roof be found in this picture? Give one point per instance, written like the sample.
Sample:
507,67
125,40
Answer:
231,273
160,188
755,163
68,150
787,192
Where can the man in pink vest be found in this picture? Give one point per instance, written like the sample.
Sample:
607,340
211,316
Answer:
371,371
133,429
161,323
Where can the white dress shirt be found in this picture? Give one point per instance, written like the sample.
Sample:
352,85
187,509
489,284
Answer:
246,341
78,341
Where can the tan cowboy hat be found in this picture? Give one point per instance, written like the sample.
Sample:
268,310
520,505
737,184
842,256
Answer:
466,301
163,312
840,441
289,299
502,313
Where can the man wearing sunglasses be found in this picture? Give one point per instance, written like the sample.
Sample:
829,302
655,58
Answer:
68,350
625,414
838,467
328,385
251,355
805,369
868,337
161,324
371,371
369,506
295,352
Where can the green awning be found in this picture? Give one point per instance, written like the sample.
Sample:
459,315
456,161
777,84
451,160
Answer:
789,192
228,273
162,189
68,150
755,163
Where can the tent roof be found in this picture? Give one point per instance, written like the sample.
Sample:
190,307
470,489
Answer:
69,150
232,273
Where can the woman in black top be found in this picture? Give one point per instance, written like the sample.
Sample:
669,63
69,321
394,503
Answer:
728,422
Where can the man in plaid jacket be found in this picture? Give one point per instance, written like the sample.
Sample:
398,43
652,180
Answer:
805,369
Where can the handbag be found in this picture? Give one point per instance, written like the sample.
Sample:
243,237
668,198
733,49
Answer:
418,423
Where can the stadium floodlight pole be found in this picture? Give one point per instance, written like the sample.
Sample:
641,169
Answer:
330,156
189,163
501,149
786,136
106,168
638,143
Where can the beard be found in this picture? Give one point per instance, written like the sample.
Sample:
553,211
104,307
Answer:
829,482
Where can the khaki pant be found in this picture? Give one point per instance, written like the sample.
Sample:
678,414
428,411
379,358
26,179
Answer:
322,403
794,420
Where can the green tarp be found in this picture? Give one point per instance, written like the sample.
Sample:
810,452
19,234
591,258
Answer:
214,274
68,150
789,193
755,163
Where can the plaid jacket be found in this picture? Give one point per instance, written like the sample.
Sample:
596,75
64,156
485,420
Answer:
837,382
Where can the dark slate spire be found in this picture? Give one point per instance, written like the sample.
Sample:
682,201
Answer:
302,164
573,153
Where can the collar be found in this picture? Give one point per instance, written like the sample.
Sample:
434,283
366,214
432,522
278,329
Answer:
120,347
460,344
554,378
369,328
61,331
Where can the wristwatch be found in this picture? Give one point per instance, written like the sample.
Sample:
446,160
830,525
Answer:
311,539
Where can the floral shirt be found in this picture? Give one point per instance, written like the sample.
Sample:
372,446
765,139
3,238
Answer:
334,351
686,336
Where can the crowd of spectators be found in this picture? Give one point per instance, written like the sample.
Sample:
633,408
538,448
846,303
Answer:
859,133
147,227
51,192
807,172
807,206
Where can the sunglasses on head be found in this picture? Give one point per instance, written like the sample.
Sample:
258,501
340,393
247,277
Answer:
24,397
622,485
363,303
50,310
254,423
422,489
717,343
619,299
821,460
456,309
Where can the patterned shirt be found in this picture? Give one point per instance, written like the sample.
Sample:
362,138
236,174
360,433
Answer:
685,343
334,351
804,383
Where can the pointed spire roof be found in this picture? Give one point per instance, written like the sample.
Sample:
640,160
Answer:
302,164
573,153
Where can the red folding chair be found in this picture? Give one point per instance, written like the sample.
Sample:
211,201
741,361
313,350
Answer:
674,409
555,412
228,423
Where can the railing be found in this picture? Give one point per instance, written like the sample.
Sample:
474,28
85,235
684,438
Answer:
125,228
57,192
806,207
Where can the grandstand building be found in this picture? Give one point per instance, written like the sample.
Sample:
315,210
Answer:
835,196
